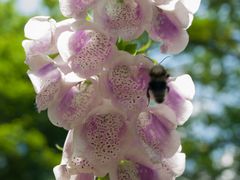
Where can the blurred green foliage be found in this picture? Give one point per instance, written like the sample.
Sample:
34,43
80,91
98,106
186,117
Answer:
211,138
27,148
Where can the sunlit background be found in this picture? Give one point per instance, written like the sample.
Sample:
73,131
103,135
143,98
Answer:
211,138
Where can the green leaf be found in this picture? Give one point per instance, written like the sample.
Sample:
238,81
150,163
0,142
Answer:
131,48
127,46
103,178
144,47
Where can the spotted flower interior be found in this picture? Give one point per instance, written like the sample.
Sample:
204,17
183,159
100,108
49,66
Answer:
101,94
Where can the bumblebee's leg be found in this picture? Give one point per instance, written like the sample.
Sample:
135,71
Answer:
168,89
148,96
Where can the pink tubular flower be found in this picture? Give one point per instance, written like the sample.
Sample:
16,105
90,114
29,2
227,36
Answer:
167,169
126,19
74,103
126,82
135,171
42,32
75,8
86,50
169,23
41,38
46,79
98,144
156,128
181,92
61,171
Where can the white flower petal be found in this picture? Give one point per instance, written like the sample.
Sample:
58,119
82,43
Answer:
38,47
181,90
185,86
175,44
61,173
36,81
177,163
37,62
192,5
167,5
38,27
63,45
82,176
62,26
182,15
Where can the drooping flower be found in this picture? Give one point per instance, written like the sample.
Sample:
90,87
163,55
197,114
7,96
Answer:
156,128
61,171
46,79
76,8
169,23
126,82
98,144
42,33
85,49
167,169
126,19
181,92
74,103
135,171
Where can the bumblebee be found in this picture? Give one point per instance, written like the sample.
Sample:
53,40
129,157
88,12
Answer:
158,83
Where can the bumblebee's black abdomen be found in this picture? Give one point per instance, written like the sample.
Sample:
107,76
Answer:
159,96
157,86
158,89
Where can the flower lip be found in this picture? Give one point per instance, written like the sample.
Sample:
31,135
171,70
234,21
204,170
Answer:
45,69
45,25
126,19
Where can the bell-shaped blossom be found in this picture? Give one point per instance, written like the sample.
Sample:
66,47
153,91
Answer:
126,82
74,103
164,28
169,23
86,50
98,144
156,128
42,32
76,8
135,171
181,92
46,79
167,169
170,168
39,30
126,19
61,171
